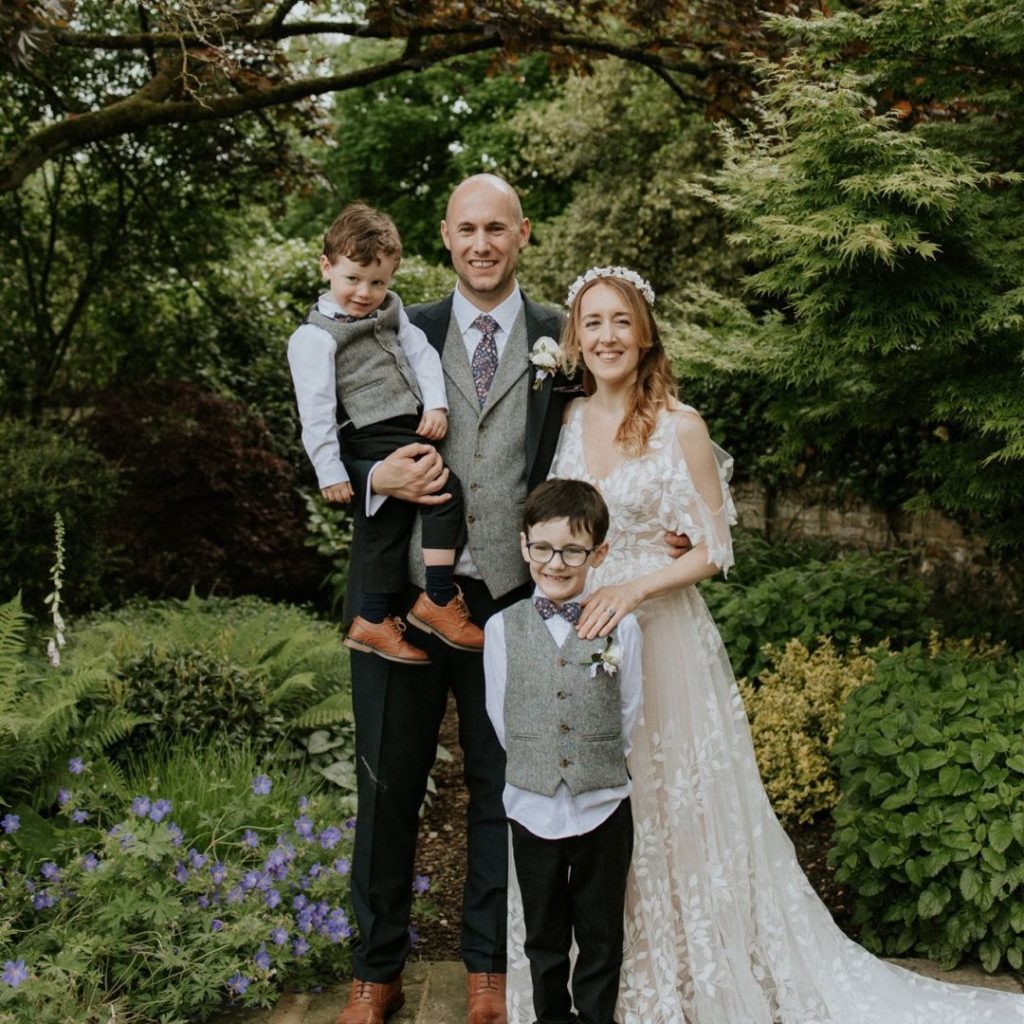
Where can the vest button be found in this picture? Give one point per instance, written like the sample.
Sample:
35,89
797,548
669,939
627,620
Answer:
477,456
470,519
564,763
474,487
562,663
561,695
564,727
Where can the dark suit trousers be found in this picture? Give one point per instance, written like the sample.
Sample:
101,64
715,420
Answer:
575,886
384,539
398,712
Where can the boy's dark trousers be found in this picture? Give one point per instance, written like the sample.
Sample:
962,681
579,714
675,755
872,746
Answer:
384,538
575,887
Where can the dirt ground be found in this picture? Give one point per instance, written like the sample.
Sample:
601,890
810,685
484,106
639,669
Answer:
441,856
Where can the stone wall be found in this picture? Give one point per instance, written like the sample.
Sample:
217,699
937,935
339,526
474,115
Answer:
809,512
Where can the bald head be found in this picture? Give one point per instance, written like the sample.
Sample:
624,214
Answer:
484,229
481,184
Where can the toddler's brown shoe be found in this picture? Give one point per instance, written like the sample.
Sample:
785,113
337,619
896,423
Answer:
449,622
386,639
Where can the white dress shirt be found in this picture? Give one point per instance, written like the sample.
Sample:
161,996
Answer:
563,815
465,313
311,358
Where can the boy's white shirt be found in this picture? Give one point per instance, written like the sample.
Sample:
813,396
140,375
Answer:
311,359
563,815
465,313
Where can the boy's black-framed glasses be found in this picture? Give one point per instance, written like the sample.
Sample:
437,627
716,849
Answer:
573,556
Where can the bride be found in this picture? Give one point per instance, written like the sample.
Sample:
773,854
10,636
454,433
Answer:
722,927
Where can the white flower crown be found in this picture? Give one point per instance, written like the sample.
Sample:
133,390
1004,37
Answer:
622,272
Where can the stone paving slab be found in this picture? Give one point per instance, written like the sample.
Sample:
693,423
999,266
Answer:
435,993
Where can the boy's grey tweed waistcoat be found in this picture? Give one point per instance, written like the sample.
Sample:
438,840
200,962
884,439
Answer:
485,449
561,724
374,379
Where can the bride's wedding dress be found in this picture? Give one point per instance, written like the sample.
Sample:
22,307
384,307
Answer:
722,927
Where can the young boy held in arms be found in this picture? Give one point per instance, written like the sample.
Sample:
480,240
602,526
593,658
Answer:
564,709
357,361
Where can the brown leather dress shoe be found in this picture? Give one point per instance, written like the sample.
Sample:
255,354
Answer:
385,639
486,997
449,622
372,1003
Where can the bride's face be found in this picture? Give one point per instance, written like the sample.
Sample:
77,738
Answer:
608,336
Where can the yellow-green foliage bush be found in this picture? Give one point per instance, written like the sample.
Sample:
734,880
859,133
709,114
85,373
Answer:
795,713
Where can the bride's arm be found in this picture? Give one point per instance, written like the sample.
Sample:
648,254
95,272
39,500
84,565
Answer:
688,569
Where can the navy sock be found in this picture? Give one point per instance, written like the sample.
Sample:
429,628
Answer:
375,607
440,583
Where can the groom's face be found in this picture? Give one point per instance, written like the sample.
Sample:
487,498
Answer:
484,231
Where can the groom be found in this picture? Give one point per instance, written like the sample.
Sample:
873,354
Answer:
501,438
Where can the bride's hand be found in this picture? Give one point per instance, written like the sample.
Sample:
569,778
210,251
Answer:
603,610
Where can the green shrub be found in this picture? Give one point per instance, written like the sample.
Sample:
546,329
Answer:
48,715
855,597
192,693
795,713
930,827
45,472
118,910
329,529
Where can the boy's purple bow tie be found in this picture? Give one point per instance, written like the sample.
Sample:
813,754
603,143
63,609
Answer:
348,318
570,611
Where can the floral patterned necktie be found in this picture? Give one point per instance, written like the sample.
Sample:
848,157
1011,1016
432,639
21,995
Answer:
485,356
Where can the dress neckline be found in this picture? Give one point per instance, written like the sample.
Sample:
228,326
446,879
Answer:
577,421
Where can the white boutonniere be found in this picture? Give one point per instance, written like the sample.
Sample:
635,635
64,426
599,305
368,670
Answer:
608,660
545,356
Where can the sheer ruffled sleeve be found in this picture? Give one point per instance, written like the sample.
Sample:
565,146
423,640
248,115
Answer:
697,501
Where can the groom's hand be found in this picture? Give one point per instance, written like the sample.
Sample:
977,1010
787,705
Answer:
678,544
414,472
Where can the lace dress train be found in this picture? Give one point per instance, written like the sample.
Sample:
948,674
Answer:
722,927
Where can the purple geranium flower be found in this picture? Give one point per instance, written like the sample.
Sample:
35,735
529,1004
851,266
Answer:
90,862
196,859
63,797
304,826
218,872
43,900
177,836
160,810
235,895
216,925
250,880
238,983
342,866
278,936
272,898
330,837
50,871
251,839
421,883
10,823
79,817
299,946
261,958
140,806
262,785
14,973
180,873
76,766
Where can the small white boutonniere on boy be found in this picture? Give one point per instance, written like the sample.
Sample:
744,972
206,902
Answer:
545,356
608,660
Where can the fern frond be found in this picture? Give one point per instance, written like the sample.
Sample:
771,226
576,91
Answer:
335,708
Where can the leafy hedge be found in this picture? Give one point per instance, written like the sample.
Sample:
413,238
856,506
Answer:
44,472
208,503
930,828
855,597
795,713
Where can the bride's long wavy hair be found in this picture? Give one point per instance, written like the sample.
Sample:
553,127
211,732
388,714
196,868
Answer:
655,383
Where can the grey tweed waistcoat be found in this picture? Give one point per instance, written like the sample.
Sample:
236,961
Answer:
561,724
374,379
484,448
